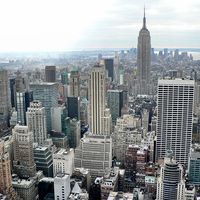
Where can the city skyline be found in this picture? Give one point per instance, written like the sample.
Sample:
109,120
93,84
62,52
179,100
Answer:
49,26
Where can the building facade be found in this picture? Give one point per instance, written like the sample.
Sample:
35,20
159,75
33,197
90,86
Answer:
74,83
194,166
96,99
5,173
115,103
73,107
26,189
63,161
61,186
23,100
4,99
94,153
50,74
36,122
47,94
58,115
97,109
109,66
23,163
174,118
73,132
44,160
170,184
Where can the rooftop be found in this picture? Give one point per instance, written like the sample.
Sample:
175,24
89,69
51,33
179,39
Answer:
175,82
43,83
25,183
120,196
47,179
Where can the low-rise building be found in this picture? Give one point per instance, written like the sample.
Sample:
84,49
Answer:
95,154
83,177
26,189
109,182
61,186
190,192
43,160
120,196
194,166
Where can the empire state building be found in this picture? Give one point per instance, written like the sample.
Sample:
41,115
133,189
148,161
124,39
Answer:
144,59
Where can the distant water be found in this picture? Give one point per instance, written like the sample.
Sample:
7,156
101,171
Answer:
196,55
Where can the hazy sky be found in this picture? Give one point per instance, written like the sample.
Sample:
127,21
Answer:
53,25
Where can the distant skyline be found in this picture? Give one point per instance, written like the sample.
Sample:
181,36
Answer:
61,25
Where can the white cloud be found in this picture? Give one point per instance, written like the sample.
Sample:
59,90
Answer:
37,25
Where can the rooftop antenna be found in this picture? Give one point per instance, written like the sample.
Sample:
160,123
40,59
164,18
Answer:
144,18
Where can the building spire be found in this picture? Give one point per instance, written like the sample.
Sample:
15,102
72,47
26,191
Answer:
144,19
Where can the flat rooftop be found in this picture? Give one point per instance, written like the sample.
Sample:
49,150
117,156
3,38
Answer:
176,81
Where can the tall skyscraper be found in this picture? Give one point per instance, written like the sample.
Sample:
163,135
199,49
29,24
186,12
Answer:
96,99
58,116
47,93
50,74
19,82
143,59
12,92
4,99
170,184
24,165
73,131
109,66
174,118
23,100
73,107
64,78
84,111
36,122
115,103
116,67
74,83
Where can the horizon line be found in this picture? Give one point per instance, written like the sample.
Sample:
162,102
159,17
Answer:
97,49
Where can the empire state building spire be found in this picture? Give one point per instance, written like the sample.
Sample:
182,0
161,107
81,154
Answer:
144,20
144,59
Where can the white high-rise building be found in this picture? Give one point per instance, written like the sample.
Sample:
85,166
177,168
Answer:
97,99
36,122
63,161
174,118
61,186
95,154
57,116
170,184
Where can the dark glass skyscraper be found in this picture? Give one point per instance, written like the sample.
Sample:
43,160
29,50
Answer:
73,104
115,103
50,74
109,66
